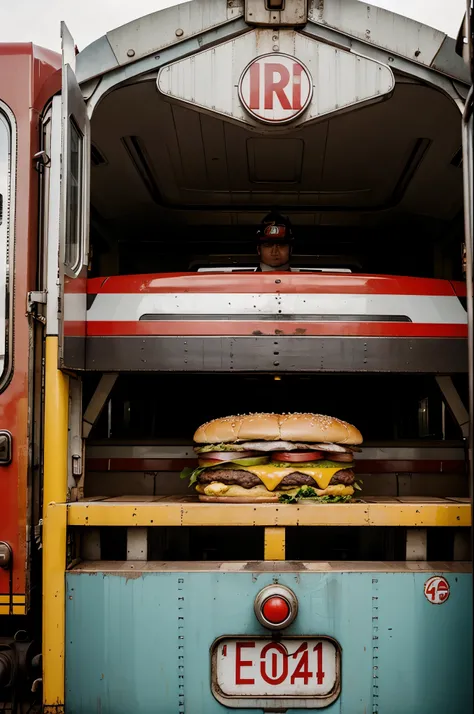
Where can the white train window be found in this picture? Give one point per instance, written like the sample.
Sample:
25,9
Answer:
74,198
7,176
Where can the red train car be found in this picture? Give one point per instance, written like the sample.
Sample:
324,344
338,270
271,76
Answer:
28,77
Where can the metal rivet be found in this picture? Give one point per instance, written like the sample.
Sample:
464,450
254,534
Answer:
276,364
179,32
275,48
130,53
278,281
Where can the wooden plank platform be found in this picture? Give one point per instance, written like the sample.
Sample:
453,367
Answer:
189,511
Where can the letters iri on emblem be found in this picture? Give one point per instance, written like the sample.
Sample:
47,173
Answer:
275,88
276,80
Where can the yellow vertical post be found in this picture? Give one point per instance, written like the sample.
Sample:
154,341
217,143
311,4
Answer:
274,548
54,529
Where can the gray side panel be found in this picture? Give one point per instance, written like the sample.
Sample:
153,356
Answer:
273,354
73,356
98,59
448,62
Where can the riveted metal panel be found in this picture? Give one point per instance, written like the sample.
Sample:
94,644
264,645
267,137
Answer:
293,13
380,27
410,511
272,354
140,640
161,29
210,80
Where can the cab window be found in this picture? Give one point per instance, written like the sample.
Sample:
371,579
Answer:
6,248
74,198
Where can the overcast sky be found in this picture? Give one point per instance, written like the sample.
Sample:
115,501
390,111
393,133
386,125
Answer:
38,20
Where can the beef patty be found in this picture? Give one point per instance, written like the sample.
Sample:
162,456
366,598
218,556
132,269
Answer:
248,480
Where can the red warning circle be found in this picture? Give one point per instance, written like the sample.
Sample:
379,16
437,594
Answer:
437,590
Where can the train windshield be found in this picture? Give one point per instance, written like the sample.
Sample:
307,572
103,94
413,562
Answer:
377,190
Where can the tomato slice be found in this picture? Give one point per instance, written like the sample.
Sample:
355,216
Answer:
298,455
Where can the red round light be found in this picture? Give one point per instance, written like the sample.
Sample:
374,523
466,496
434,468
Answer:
275,610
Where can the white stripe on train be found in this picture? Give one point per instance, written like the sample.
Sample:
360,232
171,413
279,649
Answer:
429,309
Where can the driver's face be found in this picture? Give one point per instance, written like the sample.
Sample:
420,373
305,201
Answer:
274,254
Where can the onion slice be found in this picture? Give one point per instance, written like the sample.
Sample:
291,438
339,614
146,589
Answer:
295,446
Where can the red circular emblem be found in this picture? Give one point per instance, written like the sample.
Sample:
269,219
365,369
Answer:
437,590
275,88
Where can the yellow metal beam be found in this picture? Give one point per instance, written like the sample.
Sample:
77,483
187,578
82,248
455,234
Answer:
274,548
56,405
54,594
179,513
54,529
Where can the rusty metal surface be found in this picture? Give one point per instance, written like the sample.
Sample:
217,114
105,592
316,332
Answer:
126,568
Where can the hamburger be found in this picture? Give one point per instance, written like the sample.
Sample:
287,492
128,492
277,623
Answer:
274,457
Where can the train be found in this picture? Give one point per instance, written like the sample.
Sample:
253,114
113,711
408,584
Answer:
135,175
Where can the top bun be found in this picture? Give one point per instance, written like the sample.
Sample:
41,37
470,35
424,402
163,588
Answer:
312,428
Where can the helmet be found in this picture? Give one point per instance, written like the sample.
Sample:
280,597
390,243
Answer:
275,228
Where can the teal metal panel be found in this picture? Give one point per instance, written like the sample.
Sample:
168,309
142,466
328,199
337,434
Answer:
141,644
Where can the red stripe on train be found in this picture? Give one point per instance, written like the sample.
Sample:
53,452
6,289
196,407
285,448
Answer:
269,283
362,465
459,288
75,285
230,328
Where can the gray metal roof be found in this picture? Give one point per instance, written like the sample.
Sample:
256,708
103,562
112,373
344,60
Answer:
375,27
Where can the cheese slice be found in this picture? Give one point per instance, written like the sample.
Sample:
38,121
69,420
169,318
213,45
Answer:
272,476
258,492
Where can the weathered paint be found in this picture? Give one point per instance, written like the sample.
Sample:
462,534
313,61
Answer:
274,543
359,24
142,643
188,511
355,80
54,525
131,319
28,76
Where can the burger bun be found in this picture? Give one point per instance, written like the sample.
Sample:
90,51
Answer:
308,428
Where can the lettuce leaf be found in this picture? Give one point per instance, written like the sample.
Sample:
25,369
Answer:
192,474
322,464
219,447
309,494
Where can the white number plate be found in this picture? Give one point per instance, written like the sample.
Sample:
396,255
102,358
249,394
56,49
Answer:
248,671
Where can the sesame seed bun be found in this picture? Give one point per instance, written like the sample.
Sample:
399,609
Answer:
309,428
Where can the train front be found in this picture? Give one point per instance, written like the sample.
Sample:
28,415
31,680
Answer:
262,496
